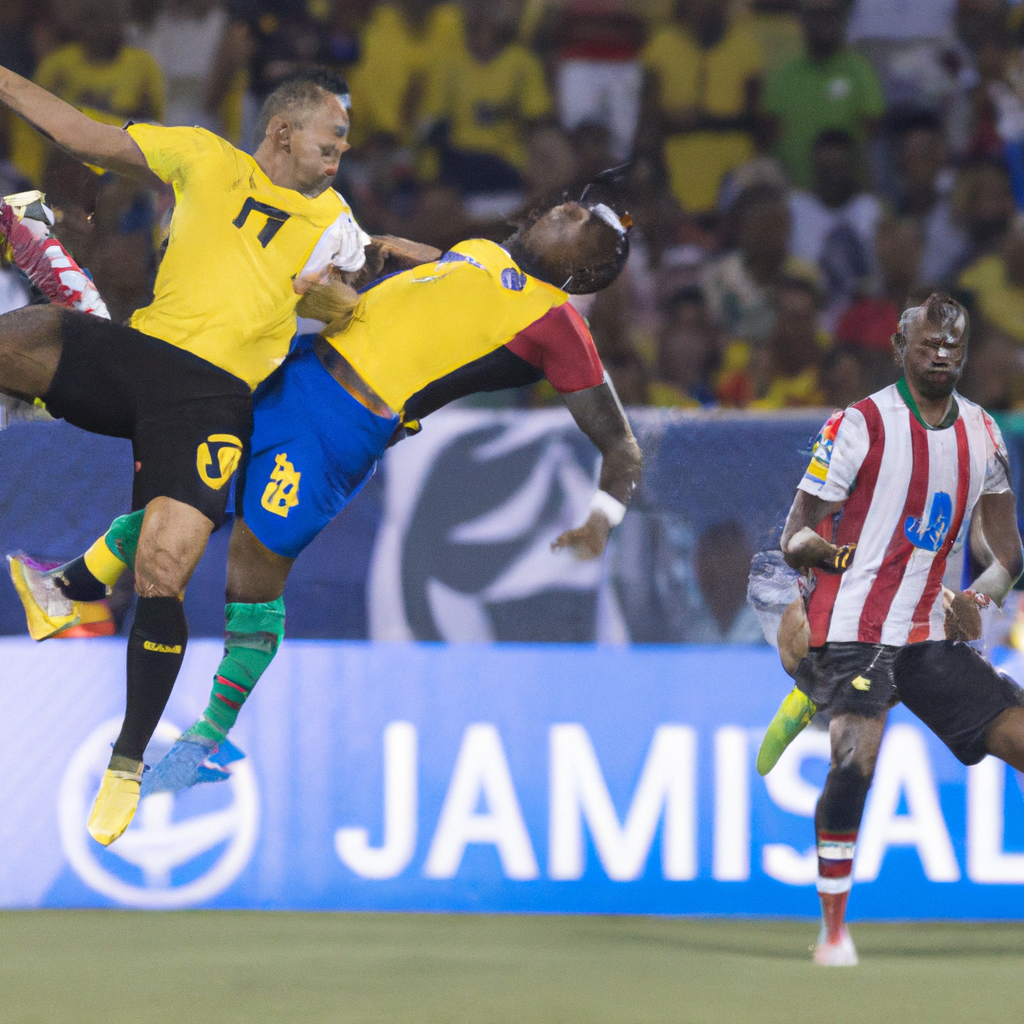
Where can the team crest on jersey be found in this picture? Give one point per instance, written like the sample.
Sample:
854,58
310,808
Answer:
929,532
513,279
821,453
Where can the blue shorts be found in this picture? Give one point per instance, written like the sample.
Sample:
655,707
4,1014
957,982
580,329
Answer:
313,448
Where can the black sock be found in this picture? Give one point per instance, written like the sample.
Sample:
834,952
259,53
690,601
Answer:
156,647
74,581
841,805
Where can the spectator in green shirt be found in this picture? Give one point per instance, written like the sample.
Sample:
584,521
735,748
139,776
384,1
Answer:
831,86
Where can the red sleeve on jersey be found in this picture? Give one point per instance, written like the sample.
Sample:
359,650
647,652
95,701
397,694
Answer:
560,344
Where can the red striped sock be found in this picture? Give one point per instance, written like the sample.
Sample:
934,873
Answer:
835,876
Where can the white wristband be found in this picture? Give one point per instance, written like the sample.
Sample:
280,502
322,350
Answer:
611,508
995,582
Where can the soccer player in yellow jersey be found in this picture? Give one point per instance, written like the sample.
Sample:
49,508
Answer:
178,380
479,318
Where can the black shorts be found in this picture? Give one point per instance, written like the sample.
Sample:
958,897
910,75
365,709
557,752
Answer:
955,692
189,421
852,677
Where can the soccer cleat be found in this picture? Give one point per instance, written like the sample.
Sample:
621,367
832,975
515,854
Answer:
793,716
114,806
189,762
47,611
841,953
26,228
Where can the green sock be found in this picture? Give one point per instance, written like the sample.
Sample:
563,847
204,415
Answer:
123,536
254,632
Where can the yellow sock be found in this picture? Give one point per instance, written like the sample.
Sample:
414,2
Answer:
103,563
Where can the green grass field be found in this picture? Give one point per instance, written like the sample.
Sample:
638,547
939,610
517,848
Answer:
112,967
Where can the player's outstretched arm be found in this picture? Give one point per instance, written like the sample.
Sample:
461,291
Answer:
403,254
599,414
87,140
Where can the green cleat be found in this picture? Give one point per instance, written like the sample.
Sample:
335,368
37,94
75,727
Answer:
793,716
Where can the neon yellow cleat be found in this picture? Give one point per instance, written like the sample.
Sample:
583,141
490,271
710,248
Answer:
115,805
794,713
47,611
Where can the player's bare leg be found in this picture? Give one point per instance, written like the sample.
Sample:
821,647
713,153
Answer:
1005,738
855,743
254,620
172,539
30,347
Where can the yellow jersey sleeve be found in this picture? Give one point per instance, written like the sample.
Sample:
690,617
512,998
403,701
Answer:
237,241
172,152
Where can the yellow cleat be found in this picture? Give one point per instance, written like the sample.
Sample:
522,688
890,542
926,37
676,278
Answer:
47,611
115,805
793,716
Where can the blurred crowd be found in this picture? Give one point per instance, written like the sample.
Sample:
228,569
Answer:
800,170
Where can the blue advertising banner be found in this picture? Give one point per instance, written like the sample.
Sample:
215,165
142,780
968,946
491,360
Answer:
507,777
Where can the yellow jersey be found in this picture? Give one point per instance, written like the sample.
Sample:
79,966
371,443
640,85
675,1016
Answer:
715,81
237,242
393,56
484,101
418,326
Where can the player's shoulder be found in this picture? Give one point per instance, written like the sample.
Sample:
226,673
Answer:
974,416
881,404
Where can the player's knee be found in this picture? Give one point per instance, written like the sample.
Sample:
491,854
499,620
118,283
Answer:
160,573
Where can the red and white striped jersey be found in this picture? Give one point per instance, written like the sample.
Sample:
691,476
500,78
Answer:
909,491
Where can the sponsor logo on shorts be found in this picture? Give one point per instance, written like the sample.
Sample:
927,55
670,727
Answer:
282,493
860,683
149,645
228,449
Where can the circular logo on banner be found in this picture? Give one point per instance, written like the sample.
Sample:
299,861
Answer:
178,851
477,562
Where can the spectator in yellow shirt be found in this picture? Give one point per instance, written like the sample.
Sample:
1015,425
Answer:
97,73
997,281
493,91
404,45
701,93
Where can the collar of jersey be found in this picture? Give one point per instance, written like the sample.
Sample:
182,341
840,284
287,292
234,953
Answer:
951,417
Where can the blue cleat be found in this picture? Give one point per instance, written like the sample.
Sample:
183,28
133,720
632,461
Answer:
178,769
226,754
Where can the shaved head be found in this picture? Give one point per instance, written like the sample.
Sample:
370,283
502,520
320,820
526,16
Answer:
300,93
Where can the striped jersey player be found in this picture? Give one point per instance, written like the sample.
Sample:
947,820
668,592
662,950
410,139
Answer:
895,484
908,490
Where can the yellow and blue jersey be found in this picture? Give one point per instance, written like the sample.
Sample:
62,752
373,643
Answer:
416,327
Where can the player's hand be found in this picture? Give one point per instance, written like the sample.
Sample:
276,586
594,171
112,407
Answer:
963,613
809,550
332,303
586,541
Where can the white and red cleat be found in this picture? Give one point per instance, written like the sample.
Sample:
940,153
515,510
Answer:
840,953
25,223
